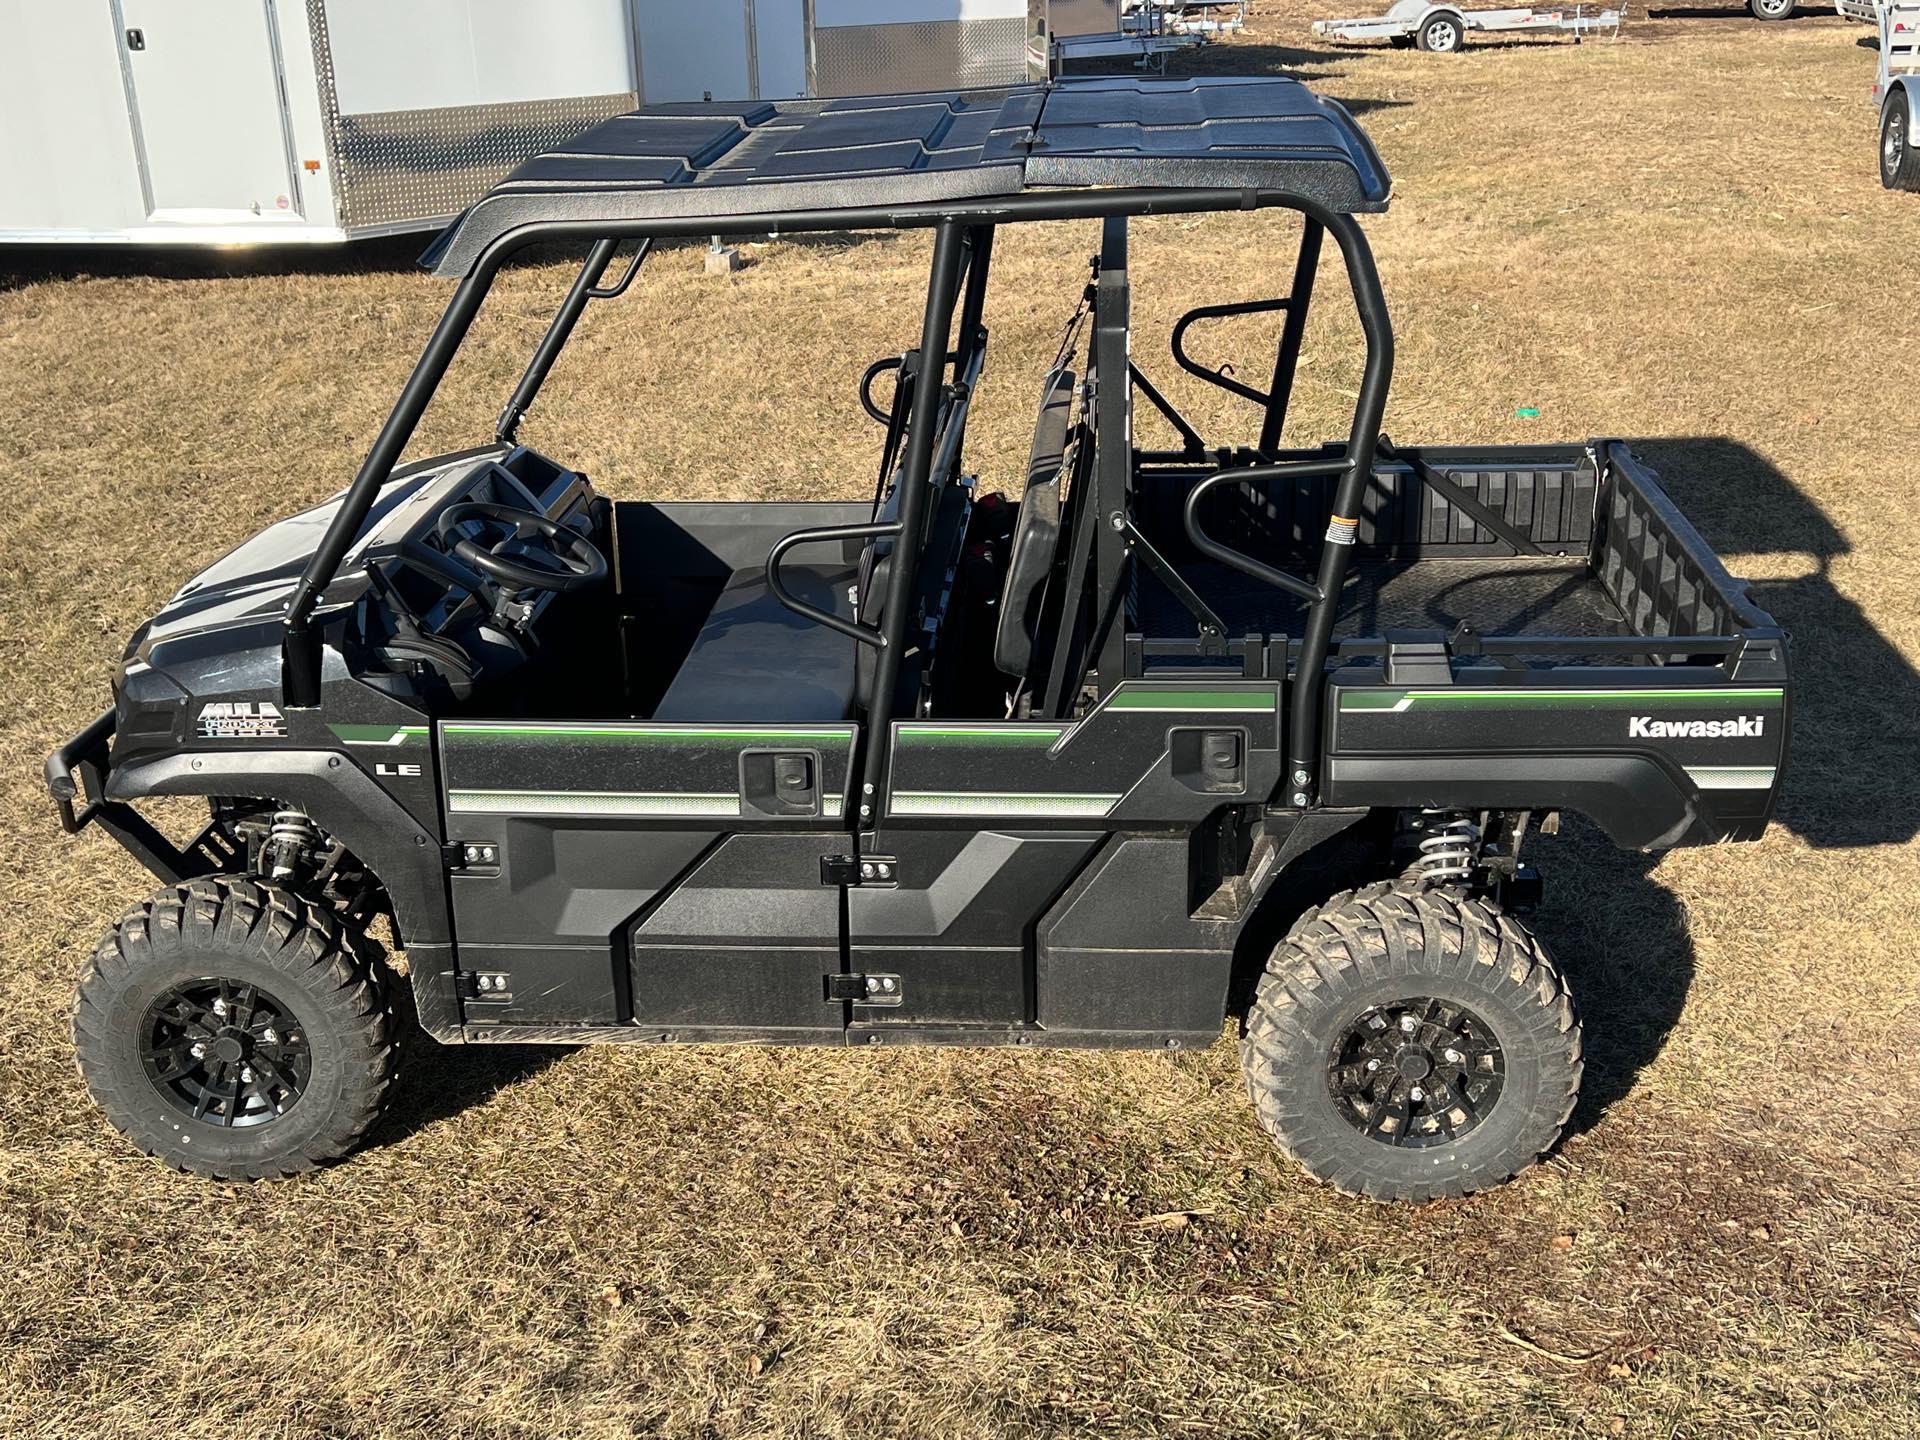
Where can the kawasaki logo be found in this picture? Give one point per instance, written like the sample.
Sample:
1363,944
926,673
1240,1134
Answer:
1645,727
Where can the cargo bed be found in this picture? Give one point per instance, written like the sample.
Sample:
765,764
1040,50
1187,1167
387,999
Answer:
1593,549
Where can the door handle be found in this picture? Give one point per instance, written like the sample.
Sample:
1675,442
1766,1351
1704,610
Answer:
136,39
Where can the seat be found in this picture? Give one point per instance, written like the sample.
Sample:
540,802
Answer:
754,660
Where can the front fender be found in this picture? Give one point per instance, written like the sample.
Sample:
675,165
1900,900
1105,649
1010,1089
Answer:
342,799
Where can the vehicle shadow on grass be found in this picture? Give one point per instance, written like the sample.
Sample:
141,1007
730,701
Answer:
438,1082
1853,765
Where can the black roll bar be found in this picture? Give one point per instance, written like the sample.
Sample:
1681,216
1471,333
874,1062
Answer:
950,251
586,286
820,535
1336,554
1239,559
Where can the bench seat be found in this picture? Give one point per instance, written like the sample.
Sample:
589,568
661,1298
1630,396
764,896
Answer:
755,661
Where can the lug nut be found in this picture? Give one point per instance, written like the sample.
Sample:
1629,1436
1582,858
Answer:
1452,1057
197,1050
1373,1065
246,1073
1408,1023
268,1037
219,1007
1416,1093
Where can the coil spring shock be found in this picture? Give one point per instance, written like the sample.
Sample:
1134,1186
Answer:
290,839
1449,847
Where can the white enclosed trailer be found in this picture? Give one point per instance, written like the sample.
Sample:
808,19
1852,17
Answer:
221,122
1443,28
249,121
788,49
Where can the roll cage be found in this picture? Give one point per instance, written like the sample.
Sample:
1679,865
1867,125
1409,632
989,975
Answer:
1328,175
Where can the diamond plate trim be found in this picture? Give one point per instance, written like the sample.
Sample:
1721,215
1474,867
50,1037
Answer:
905,58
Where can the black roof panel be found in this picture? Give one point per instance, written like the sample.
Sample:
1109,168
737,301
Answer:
764,160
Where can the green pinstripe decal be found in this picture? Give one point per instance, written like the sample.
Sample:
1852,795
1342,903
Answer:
641,734
590,802
1132,697
379,734
1031,735
1395,702
942,802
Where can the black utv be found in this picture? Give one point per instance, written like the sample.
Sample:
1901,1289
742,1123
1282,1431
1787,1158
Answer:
1250,732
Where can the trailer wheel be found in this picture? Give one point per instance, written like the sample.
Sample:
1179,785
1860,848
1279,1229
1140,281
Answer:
1773,9
1407,1045
1442,33
1899,159
235,1031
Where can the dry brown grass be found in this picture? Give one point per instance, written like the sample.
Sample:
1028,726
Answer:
1676,236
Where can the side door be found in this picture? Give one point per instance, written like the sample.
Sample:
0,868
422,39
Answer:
985,827
668,876
209,112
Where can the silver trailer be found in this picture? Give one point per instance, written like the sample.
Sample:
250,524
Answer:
219,122
1896,89
1443,28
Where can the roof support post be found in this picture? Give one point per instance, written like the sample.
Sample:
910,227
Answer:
949,254
300,645
1112,461
1309,683
1287,358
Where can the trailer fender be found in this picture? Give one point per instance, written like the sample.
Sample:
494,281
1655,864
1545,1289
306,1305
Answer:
1635,799
340,797
1905,90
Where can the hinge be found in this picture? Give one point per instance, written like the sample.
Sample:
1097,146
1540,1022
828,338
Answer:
493,985
866,989
873,870
471,857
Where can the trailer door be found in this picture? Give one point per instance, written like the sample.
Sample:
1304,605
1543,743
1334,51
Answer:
208,109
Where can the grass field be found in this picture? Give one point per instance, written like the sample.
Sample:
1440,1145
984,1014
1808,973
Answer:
1678,237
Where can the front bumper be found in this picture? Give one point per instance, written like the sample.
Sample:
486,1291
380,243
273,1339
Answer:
87,754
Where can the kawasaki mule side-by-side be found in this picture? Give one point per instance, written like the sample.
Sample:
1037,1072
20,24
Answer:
940,766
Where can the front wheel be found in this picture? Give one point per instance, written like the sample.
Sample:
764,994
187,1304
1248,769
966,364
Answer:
1442,34
235,1030
1773,9
1899,160
1409,1044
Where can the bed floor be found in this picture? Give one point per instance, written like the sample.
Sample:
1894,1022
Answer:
1499,596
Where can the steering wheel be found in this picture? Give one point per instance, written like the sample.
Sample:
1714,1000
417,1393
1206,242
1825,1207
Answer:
581,564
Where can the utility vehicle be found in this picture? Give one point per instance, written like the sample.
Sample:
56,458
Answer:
1218,729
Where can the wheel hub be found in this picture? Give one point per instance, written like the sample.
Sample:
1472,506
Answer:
1416,1072
225,1053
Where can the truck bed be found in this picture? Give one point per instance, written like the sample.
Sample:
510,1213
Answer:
1616,557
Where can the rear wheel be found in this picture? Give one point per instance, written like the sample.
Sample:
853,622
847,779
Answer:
236,1031
1408,1045
1899,160
1442,34
1773,9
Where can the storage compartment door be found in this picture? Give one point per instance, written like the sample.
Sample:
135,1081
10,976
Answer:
207,101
